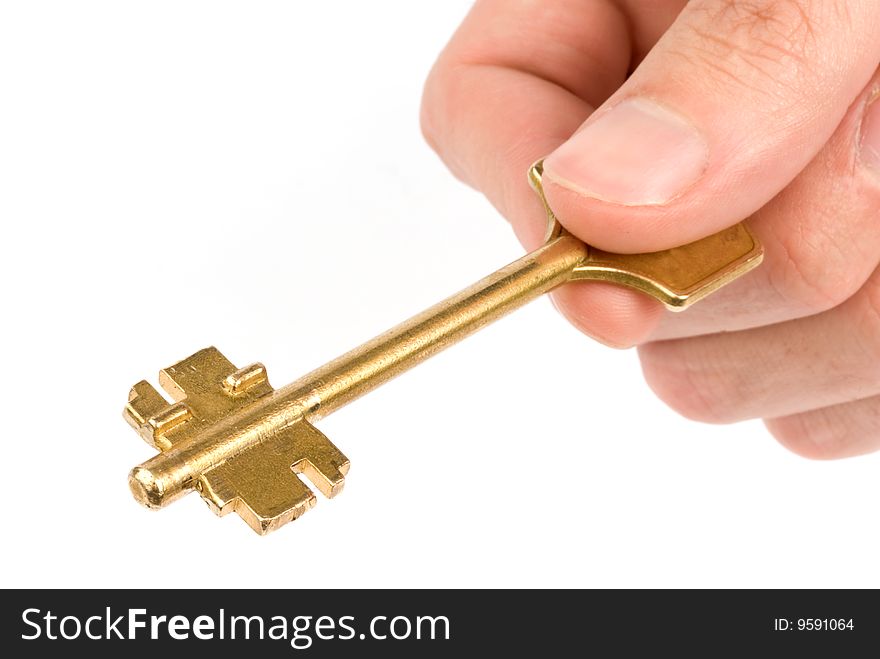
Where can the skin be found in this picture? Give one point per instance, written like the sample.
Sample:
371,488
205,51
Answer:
780,93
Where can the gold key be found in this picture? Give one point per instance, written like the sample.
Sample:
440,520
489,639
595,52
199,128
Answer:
241,444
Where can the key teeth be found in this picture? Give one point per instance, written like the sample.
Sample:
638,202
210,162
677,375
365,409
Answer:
217,492
328,476
143,402
222,499
206,368
284,498
205,387
261,482
264,525
250,379
151,415
262,485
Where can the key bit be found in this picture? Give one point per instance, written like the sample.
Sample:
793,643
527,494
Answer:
227,434
257,479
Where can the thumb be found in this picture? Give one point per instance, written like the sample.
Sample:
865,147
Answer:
726,109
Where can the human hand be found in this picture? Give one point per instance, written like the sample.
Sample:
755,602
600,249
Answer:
733,108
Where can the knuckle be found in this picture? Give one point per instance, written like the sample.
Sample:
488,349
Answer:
822,228
697,394
774,29
816,269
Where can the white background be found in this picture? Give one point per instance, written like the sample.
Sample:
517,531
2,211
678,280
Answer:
179,174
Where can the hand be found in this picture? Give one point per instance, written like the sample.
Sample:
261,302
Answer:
667,121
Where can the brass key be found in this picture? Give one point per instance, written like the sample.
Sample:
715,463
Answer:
240,443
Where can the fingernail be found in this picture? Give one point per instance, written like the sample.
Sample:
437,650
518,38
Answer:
870,147
637,153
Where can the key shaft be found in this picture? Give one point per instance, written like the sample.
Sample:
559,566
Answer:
168,475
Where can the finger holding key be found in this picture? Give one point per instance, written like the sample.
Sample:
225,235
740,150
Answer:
820,235
514,83
732,102
731,109
514,108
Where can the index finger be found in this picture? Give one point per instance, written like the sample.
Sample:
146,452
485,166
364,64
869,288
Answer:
512,85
